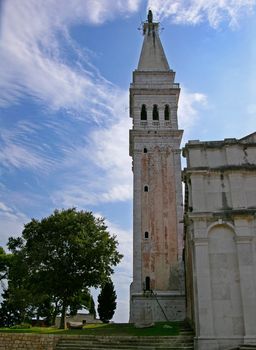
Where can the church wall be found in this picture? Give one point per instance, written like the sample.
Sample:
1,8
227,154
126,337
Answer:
223,189
225,282
220,229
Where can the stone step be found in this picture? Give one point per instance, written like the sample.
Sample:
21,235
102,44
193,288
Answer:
127,348
132,347
123,346
125,343
245,347
129,340
93,345
180,342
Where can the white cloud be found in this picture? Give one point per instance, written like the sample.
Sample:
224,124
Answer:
19,157
189,104
123,272
124,238
122,276
4,208
12,223
109,150
98,11
98,171
34,64
19,151
197,11
103,166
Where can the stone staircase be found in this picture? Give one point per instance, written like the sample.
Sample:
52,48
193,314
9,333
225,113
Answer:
69,342
245,347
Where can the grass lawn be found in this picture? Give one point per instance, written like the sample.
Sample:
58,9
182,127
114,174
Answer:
113,329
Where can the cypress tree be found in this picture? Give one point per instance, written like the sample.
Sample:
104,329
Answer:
107,302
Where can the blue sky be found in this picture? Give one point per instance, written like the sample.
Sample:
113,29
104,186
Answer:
65,72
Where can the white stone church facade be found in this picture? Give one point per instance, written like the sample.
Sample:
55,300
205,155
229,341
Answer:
220,241
213,235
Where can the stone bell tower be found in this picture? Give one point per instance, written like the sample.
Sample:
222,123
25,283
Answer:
157,292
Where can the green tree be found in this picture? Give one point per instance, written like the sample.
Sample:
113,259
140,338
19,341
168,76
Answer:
107,302
9,314
18,298
79,301
65,254
4,265
4,259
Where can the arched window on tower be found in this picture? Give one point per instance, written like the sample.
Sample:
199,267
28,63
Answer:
143,112
166,112
155,113
145,188
147,283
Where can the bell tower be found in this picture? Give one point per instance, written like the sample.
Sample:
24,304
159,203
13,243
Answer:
157,291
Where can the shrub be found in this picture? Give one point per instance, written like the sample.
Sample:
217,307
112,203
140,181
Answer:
21,326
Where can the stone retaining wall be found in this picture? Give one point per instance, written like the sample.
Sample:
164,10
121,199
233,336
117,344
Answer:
22,341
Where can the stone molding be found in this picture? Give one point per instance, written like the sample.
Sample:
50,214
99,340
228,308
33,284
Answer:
200,241
244,239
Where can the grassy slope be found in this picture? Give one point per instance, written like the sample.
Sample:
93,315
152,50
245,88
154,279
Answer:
115,329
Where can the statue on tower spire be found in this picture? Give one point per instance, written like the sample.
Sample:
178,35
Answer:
150,16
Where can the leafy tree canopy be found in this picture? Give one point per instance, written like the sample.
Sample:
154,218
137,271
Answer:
4,263
63,255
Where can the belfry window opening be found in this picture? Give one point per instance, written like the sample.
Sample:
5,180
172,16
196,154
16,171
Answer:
143,112
155,113
166,112
145,188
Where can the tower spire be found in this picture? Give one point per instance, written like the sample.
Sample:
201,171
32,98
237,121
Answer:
152,57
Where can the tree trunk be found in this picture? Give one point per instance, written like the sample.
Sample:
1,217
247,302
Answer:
55,313
63,316
22,316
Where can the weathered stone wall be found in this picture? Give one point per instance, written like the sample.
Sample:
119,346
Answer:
160,307
158,212
22,341
220,222
189,285
160,249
